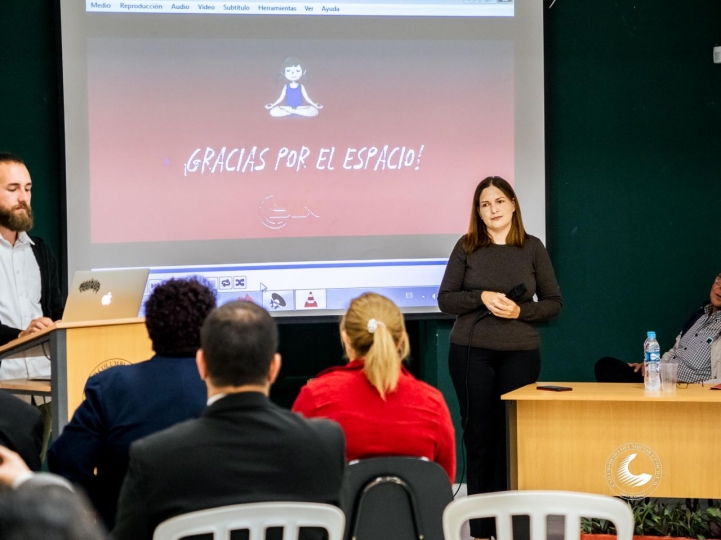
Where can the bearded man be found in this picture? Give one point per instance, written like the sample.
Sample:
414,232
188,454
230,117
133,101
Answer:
30,298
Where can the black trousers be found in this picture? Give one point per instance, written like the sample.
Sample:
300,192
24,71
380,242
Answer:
610,369
479,385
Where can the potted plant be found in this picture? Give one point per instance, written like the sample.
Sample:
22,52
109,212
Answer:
658,519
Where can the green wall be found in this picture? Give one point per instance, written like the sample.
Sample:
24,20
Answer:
633,138
29,101
633,150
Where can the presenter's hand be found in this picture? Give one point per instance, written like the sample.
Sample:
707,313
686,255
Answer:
500,306
638,367
36,325
11,466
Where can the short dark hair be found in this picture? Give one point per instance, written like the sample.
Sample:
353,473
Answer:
174,314
239,340
48,512
7,157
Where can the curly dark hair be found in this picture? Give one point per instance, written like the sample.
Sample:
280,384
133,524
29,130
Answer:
174,314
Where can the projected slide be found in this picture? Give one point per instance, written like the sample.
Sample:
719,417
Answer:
296,154
252,139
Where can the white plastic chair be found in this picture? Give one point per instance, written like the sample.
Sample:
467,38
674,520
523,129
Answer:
538,505
256,517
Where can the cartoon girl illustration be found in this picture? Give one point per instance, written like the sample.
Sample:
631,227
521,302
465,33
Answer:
293,93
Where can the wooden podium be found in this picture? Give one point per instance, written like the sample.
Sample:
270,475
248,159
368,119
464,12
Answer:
616,439
78,350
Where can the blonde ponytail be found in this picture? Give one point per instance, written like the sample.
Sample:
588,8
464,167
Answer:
376,331
382,362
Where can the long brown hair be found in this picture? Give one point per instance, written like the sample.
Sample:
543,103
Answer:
477,235
383,344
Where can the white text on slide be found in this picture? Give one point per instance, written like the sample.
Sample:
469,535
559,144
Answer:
254,159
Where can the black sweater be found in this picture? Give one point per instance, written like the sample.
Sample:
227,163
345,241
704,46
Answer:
499,268
51,300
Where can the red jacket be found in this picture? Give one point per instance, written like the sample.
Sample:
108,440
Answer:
412,421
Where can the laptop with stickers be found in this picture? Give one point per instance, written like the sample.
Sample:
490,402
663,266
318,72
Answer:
98,295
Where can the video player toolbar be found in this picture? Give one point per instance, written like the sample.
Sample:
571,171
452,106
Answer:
307,288
419,8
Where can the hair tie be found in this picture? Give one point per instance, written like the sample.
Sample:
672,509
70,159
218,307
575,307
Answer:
373,325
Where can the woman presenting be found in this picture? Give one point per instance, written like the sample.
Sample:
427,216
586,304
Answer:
498,352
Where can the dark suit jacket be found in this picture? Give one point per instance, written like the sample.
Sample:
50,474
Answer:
243,449
21,429
123,404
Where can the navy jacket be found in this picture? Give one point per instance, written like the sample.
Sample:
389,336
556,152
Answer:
122,405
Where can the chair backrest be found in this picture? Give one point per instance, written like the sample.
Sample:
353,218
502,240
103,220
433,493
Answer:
538,505
396,498
256,517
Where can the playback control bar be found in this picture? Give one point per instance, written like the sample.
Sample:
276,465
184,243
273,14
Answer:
302,289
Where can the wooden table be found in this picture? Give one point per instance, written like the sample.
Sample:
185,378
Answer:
616,439
27,387
78,350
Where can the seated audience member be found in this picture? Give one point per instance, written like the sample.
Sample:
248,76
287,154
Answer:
41,506
47,513
381,407
21,428
243,448
14,473
124,403
697,349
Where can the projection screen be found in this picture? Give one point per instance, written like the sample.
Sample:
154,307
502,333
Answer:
296,154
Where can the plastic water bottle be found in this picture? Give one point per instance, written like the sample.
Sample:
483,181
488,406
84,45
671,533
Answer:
652,362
